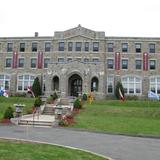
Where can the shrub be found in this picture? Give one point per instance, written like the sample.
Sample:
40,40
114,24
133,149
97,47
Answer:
49,100
84,97
119,86
63,122
54,96
37,102
77,104
134,97
36,87
9,113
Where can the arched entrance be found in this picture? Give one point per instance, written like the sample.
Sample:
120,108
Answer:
94,84
55,83
75,85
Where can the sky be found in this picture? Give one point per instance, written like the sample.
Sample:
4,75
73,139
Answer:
126,18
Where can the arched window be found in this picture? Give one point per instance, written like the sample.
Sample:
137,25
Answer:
94,84
4,81
155,84
24,81
132,85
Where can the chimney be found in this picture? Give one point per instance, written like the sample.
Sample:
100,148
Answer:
36,34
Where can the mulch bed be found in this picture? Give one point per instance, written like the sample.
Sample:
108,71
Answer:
5,122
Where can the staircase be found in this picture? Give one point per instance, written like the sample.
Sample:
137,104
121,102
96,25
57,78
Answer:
48,110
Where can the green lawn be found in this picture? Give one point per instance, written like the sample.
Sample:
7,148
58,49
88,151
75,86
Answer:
18,150
9,102
129,117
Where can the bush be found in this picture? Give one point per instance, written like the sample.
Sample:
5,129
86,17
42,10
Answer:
55,96
63,122
84,97
77,104
37,102
49,100
36,87
134,97
18,94
119,86
9,113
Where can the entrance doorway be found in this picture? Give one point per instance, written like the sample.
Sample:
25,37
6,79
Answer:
55,83
75,85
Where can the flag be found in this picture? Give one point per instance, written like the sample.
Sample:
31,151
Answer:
121,95
145,61
153,95
15,60
117,60
40,60
29,90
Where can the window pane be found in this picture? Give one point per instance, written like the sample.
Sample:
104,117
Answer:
96,46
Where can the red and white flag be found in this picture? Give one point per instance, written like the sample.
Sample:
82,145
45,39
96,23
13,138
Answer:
40,60
29,90
121,95
15,60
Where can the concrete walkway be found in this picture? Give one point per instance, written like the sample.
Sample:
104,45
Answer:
115,146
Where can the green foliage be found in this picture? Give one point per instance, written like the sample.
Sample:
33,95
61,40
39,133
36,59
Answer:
36,87
119,86
77,104
63,122
9,113
134,97
49,100
37,102
54,96
84,97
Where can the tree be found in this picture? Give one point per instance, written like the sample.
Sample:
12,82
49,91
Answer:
8,113
36,87
119,87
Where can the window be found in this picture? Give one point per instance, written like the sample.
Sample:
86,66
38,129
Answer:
94,84
46,62
33,63
61,46
21,62
110,84
124,64
132,85
61,60
138,47
24,81
86,60
70,46
152,64
155,84
5,81
69,59
138,63
124,47
22,47
95,46
151,48
78,46
8,62
47,47
34,47
10,47
95,60
110,63
110,47
86,47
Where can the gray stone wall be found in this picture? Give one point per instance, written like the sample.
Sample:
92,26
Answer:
86,71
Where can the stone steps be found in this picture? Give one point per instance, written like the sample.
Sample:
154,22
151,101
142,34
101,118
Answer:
36,123
48,110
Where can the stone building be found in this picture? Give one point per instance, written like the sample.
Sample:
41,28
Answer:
80,60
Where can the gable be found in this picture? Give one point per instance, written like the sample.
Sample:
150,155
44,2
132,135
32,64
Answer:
79,32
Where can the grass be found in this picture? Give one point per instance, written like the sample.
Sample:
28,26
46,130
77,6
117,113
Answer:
129,117
9,102
18,150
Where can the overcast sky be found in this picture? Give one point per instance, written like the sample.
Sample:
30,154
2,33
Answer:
116,17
